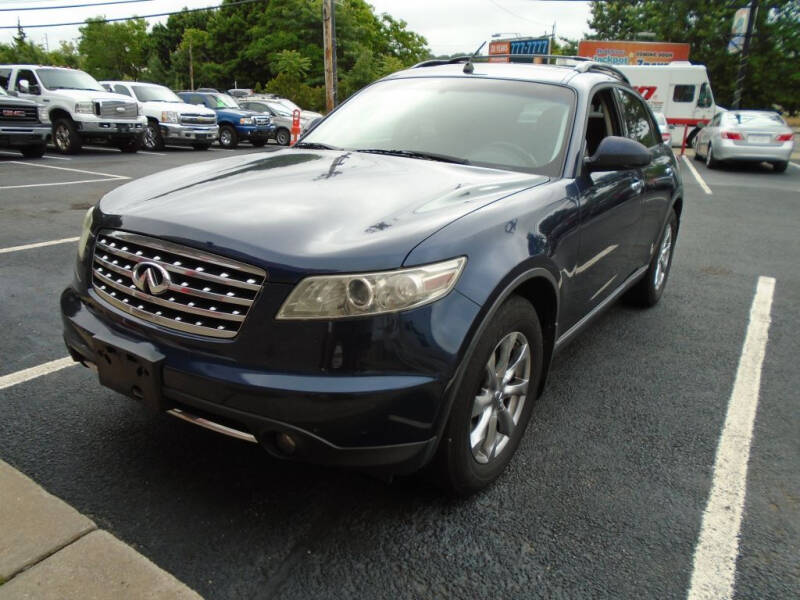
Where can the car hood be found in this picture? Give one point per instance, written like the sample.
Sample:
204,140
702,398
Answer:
238,112
179,107
300,211
84,95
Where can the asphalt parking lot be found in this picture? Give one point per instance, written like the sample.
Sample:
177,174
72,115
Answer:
605,497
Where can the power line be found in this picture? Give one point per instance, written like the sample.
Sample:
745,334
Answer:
73,5
163,14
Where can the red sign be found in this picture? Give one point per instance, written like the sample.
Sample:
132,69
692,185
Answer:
617,52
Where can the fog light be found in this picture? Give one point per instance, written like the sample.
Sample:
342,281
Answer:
285,443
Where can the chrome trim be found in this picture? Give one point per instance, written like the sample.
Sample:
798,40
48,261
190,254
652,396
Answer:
634,277
218,427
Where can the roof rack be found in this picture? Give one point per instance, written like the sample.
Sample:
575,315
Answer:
584,64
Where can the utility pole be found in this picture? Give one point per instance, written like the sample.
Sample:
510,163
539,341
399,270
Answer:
191,67
329,44
740,75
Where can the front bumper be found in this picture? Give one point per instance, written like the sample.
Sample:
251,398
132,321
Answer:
92,126
23,135
188,134
731,150
257,133
387,421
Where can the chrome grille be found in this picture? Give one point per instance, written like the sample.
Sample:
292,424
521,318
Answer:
261,120
109,108
206,294
195,119
18,113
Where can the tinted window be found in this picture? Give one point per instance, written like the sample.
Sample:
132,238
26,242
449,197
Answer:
705,99
28,76
489,122
4,75
683,93
637,119
121,89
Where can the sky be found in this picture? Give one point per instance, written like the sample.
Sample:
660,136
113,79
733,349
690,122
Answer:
450,26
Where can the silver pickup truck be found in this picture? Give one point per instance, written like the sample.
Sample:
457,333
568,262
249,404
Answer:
23,126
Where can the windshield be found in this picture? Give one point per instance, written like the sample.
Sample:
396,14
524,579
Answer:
517,125
66,79
223,101
280,109
288,104
754,118
154,93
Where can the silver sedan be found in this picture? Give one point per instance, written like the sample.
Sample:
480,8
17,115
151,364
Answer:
746,135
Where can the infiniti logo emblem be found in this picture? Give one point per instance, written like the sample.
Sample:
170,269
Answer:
151,277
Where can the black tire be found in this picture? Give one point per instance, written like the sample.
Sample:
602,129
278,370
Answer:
151,138
66,138
228,138
780,166
647,292
201,146
711,162
130,146
259,143
283,137
35,151
456,467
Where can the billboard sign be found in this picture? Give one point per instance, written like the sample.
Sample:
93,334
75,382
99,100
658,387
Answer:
518,46
738,30
619,52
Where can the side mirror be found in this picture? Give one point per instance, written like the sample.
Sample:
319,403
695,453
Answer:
24,86
616,153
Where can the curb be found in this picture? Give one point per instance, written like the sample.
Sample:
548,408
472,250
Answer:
48,550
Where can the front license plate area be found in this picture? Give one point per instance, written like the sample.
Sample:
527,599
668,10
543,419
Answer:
124,127
131,371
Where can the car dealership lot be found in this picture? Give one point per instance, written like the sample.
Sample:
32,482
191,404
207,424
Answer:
605,496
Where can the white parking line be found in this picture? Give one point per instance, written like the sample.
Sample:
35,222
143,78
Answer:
152,153
699,179
115,150
28,164
45,156
106,176
714,569
34,372
33,185
794,164
37,245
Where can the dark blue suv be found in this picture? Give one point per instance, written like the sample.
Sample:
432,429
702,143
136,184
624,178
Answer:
390,291
235,124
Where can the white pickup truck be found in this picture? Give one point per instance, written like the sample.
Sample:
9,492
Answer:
79,108
170,121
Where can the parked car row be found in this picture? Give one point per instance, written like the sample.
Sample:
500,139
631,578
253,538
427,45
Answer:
71,107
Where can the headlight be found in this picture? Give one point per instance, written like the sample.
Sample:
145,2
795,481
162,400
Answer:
87,229
43,116
337,296
169,116
84,107
246,121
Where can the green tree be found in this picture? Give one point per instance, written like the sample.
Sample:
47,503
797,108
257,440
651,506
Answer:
292,63
114,50
772,74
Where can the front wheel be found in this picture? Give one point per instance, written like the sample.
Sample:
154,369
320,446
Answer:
493,403
152,139
228,138
711,162
282,137
647,292
35,151
66,138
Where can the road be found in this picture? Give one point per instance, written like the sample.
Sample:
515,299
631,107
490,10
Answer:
605,497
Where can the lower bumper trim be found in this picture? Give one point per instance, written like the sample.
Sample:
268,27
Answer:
218,427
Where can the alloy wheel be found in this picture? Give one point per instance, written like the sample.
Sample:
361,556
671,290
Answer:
225,137
149,137
662,264
62,137
497,407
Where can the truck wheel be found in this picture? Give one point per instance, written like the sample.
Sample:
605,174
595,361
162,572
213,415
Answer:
201,146
36,151
131,146
152,139
66,137
228,138
282,137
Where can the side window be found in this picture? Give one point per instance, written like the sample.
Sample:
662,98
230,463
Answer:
704,99
246,105
602,120
28,75
121,89
716,120
4,75
638,124
683,93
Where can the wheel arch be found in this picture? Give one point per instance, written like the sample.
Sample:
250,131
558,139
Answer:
59,113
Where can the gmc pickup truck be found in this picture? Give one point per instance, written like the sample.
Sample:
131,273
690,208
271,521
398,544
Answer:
79,108
23,126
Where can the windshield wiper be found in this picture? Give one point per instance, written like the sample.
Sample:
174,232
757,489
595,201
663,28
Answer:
417,154
315,146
